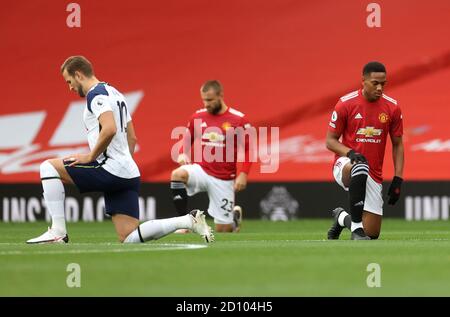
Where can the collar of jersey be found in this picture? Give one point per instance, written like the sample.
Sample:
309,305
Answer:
92,88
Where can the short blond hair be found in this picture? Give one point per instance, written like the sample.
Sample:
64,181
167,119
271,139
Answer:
212,84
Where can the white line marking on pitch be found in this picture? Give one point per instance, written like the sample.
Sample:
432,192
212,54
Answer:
150,247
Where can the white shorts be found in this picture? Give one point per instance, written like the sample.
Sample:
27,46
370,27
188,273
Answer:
220,192
373,201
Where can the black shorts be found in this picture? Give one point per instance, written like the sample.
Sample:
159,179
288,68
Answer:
121,194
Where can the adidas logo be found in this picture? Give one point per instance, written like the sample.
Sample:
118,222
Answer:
358,116
204,125
177,197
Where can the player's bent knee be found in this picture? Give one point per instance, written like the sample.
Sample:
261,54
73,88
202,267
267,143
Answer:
179,175
47,170
359,169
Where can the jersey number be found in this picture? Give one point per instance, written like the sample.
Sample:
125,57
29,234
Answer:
123,115
227,205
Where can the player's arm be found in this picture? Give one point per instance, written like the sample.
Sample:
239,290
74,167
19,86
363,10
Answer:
336,127
108,124
334,145
131,137
396,132
240,182
398,155
107,132
340,149
188,140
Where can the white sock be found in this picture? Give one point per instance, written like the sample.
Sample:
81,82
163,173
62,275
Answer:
356,225
341,218
155,229
54,196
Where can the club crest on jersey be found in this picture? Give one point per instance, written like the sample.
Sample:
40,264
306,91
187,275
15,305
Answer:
383,117
213,137
369,132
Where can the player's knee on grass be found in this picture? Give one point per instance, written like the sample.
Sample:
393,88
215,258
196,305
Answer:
121,237
123,234
372,225
373,233
180,175
224,227
124,226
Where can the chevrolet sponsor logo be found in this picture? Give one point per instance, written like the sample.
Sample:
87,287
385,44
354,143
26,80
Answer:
369,132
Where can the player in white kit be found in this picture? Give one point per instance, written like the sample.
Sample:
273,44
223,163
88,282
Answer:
108,168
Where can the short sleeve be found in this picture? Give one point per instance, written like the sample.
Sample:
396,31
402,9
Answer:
245,123
128,115
396,125
99,104
338,119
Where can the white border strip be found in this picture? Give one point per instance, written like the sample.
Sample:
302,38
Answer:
123,249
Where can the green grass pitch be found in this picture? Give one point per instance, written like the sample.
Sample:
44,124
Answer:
265,259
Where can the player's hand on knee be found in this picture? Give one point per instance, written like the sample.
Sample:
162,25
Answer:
394,190
356,157
75,159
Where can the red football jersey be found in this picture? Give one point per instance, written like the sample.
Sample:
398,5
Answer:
215,141
365,125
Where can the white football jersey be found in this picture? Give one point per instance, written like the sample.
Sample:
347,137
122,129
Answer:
116,159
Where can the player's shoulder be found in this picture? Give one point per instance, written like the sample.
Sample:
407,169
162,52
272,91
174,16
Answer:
200,113
389,100
99,90
236,112
349,97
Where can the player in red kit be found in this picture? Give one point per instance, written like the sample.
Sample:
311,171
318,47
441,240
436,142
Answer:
208,130
363,119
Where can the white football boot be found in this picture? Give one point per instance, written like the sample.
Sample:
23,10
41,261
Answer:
200,226
51,236
237,218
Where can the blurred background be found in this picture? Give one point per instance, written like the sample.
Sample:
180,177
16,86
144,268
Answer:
283,63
